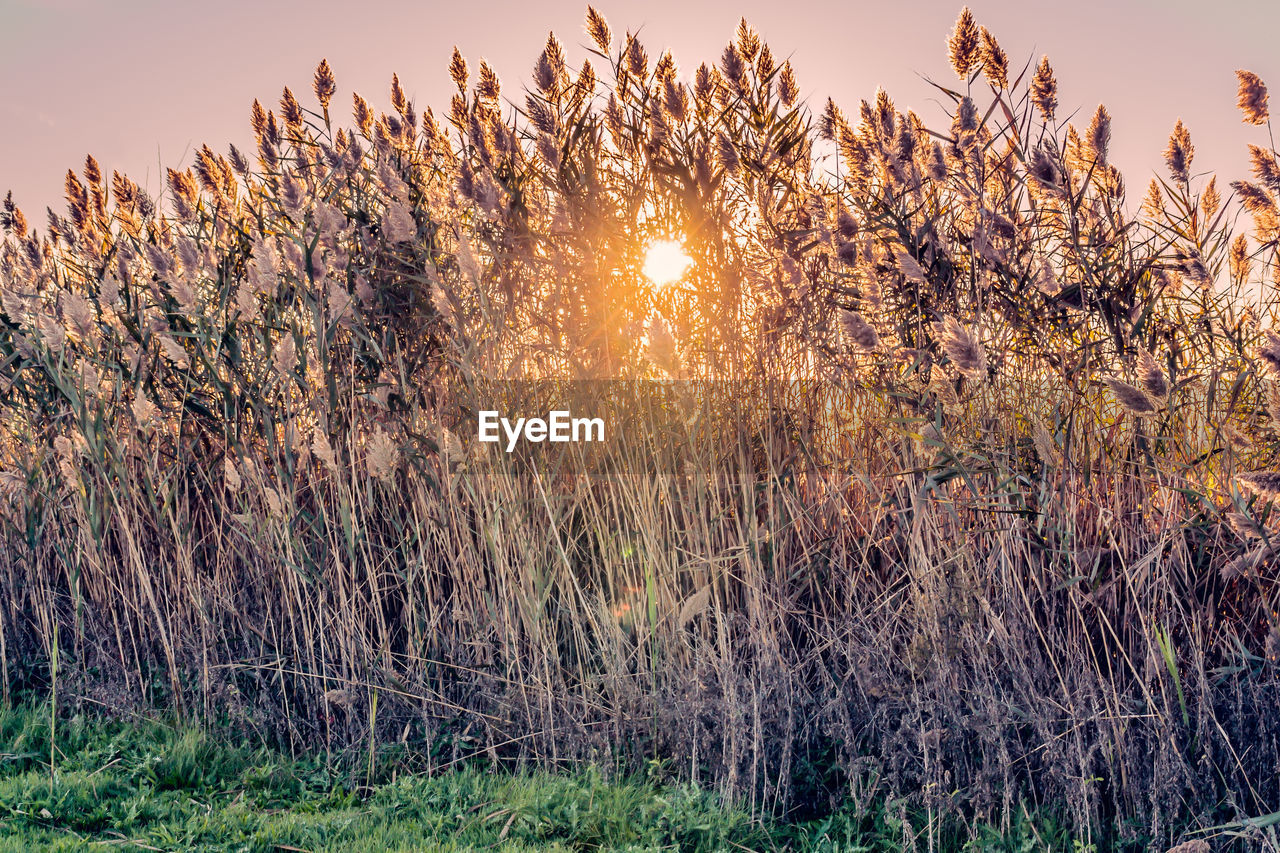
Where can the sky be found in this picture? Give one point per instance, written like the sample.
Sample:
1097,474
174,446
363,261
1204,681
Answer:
141,84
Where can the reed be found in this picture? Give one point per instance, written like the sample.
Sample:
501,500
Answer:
946,467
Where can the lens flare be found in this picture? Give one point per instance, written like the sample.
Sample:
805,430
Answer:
666,261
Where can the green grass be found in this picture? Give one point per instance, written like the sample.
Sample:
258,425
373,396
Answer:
146,785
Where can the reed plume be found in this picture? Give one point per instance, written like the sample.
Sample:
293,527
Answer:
1253,98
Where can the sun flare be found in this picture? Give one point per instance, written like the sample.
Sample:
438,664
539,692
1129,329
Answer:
666,261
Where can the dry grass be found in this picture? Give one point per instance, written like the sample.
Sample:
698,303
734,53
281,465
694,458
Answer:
946,491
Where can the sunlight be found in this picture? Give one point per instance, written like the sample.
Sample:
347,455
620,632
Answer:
666,261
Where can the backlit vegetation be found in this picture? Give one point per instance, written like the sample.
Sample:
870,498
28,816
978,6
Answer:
964,486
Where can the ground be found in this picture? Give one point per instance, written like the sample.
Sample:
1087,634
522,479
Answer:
146,785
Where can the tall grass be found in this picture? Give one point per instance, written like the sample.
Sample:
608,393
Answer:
946,465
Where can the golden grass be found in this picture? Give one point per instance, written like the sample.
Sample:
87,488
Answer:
947,483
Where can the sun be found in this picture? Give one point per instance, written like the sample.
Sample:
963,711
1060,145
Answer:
666,261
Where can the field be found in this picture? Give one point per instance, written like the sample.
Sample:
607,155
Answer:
940,471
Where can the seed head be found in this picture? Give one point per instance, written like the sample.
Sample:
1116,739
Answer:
398,100
145,412
1264,167
788,90
735,69
232,477
908,265
860,333
1044,89
290,110
966,120
1269,351
1253,98
488,87
1265,484
963,45
995,63
258,118
748,40
598,29
1131,397
764,63
1045,169
1210,199
1098,137
1179,153
458,70
963,348
1241,264
340,698
1255,199
1150,377
324,84
323,450
637,59
727,151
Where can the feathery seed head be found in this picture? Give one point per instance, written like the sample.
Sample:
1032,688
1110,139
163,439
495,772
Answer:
637,59
748,40
92,171
544,77
458,70
964,44
362,113
290,110
258,118
399,102
764,63
1240,262
937,164
488,87
963,348
860,333
324,84
830,121
1253,97
788,90
727,152
1044,89
665,71
586,82
1044,168
1264,166
675,100
1179,153
1151,377
908,265
846,225
1130,396
598,29
1210,199
735,69
995,63
382,456
1269,351
555,55
1098,136
966,120
1261,205
1265,484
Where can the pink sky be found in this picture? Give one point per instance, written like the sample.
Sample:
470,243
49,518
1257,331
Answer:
141,83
